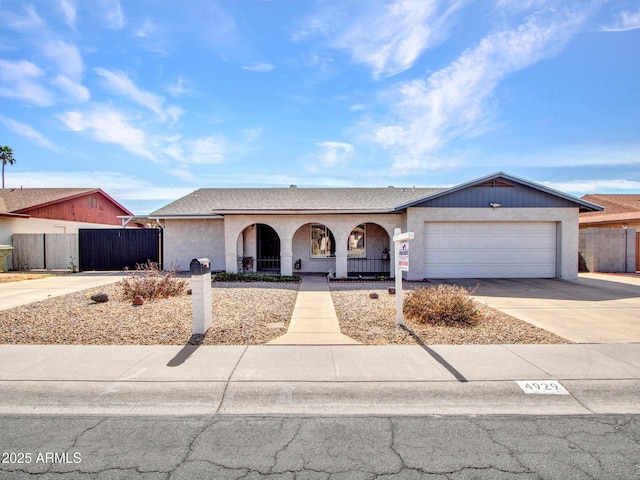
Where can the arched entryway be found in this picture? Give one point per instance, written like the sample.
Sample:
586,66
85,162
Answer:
258,249
368,252
268,249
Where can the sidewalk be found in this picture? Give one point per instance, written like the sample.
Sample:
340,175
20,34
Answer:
345,379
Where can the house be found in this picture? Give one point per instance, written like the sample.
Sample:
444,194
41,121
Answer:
498,226
55,211
610,239
620,211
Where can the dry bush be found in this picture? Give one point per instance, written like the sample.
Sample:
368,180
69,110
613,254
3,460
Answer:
150,283
442,305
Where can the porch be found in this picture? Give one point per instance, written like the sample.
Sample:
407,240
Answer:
347,247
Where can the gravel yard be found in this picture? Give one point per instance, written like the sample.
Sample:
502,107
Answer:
373,321
243,314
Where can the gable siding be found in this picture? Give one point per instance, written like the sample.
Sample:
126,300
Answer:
79,210
508,197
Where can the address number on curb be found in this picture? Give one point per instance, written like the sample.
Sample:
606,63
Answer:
542,387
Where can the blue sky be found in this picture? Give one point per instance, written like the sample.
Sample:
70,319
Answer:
150,100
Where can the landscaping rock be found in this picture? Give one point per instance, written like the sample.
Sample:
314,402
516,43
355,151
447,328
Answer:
392,290
373,295
100,297
138,300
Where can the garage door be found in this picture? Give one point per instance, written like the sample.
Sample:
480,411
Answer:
490,250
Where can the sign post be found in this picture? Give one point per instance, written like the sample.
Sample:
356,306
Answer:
401,255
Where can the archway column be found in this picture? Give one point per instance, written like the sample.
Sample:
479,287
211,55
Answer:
231,261
342,268
286,254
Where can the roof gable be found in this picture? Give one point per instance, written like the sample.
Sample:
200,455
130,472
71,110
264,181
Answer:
505,191
21,201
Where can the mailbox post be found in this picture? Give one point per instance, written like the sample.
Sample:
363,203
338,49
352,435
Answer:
200,269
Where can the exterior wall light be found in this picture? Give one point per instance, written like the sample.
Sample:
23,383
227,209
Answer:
495,205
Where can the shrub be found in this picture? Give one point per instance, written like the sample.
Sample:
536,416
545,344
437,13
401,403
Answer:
149,282
448,305
253,277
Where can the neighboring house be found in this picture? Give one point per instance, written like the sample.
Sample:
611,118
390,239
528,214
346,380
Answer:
610,239
56,210
498,226
620,211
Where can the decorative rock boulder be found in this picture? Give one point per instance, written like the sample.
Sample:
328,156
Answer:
373,295
100,297
392,291
138,300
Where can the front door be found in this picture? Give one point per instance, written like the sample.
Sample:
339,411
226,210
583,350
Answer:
268,249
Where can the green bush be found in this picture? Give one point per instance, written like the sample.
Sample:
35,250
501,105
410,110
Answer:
448,305
150,282
253,277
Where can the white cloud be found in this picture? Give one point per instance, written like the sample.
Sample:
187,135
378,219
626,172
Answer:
65,56
26,131
107,125
111,12
391,40
21,80
177,88
183,174
69,8
118,185
208,150
332,154
335,153
31,22
454,102
585,155
259,67
594,186
119,83
147,29
78,92
624,21
388,37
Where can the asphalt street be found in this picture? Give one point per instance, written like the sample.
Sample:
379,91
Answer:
321,447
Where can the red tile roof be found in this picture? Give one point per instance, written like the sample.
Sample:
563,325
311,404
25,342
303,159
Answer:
617,208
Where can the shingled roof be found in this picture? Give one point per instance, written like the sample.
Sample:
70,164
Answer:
617,208
20,200
208,201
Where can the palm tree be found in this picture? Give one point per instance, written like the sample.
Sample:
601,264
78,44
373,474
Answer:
6,154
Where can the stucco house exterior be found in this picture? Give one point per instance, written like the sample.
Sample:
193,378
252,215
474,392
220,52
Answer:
498,226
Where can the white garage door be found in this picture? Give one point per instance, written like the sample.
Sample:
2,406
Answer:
490,250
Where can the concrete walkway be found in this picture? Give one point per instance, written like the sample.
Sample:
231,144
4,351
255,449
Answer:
314,320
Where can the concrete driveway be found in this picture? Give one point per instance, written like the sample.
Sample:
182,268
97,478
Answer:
15,294
596,308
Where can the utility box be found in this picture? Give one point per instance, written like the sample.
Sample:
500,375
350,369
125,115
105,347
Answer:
5,252
200,269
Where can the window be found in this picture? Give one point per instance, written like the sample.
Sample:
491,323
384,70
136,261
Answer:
356,245
93,202
322,242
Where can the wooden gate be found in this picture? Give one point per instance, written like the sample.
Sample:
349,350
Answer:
118,248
